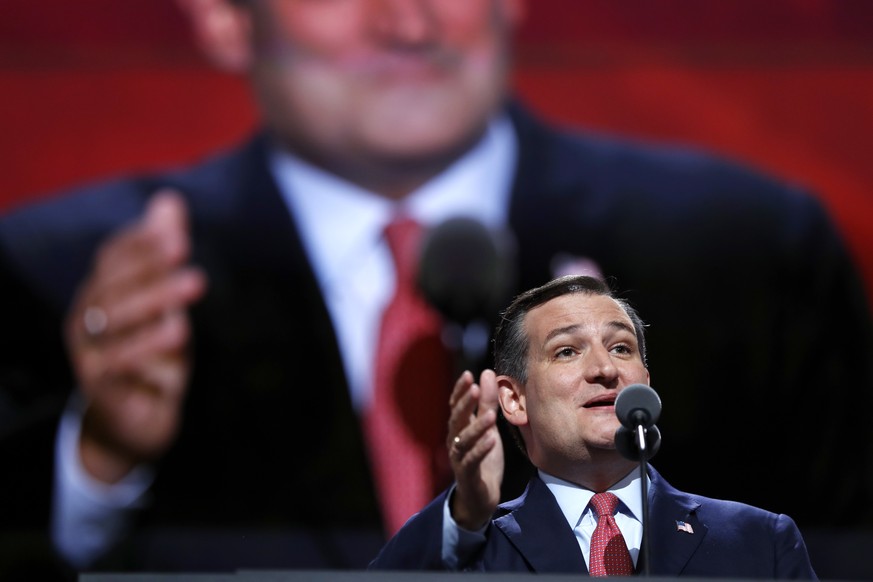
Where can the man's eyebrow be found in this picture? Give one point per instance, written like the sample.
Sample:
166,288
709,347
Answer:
622,325
561,331
617,325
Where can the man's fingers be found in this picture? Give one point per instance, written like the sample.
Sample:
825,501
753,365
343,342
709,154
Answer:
166,208
470,440
168,334
460,399
172,293
94,323
168,374
469,461
167,215
488,386
122,360
471,403
158,241
139,274
462,384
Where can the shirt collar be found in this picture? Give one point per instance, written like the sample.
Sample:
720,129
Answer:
574,500
343,220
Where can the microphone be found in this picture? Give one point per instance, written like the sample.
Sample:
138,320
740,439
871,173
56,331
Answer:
467,272
638,408
638,405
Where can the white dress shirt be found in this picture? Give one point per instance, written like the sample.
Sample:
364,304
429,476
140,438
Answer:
341,228
87,514
575,504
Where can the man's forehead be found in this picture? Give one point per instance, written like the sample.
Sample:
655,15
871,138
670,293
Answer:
577,309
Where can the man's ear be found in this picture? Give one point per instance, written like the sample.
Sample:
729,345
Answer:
223,29
512,400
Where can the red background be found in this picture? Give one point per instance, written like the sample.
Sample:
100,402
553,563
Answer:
103,87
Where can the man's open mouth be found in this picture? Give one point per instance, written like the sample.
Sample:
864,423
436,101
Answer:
600,402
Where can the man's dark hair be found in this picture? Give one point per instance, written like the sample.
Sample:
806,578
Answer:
511,341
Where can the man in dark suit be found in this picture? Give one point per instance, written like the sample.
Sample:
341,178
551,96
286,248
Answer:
219,320
563,353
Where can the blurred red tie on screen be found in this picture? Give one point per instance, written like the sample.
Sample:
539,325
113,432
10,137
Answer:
406,421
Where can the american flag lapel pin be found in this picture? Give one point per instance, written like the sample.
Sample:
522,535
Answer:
682,526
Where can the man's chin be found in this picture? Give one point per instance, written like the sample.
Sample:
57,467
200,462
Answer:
425,151
427,122
415,138
605,440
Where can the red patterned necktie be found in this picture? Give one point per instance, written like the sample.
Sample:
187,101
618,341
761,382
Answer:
406,422
609,554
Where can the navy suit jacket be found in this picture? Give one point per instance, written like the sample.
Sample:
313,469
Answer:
757,318
530,534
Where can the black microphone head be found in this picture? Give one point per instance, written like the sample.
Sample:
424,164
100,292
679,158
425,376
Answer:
467,272
638,404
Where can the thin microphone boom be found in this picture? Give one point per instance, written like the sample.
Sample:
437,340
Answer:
638,408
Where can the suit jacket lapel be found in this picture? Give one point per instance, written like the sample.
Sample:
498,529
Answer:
540,533
671,547
238,195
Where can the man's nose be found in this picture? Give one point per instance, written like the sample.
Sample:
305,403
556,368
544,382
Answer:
408,22
599,367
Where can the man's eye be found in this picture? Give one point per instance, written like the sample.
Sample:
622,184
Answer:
565,352
622,349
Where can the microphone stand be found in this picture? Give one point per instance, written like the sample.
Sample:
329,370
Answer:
644,494
638,439
641,445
